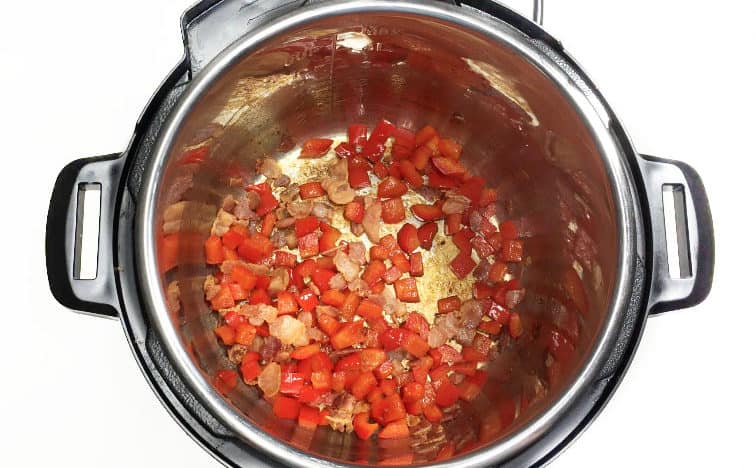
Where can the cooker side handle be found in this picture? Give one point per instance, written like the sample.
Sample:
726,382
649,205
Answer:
65,234
688,220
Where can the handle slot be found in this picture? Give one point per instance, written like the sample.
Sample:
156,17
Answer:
87,244
676,230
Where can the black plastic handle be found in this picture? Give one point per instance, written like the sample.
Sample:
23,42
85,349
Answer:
695,235
96,296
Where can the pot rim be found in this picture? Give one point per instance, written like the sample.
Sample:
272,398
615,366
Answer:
593,115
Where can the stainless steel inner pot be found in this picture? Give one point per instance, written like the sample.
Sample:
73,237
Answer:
527,126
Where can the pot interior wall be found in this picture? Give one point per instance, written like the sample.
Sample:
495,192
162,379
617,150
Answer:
519,133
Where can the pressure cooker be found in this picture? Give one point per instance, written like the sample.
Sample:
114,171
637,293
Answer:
259,73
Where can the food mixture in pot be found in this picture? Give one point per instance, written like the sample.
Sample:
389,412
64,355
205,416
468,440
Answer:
323,301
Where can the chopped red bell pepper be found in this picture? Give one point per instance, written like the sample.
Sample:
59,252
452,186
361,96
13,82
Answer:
449,167
333,297
344,150
438,180
392,338
391,187
392,211
481,290
370,358
350,334
349,307
268,223
380,170
255,248
364,384
434,415
250,367
259,295
362,427
308,417
328,324
375,145
321,379
357,135
462,240
286,408
426,233
354,211
358,174
330,235
407,238
401,262
491,327
291,380
305,352
306,225
284,259
421,157
245,334
315,147
214,250
418,324
234,237
225,381
369,309
450,148
413,344
482,247
462,265
416,264
449,304
404,143
307,300
511,251
406,290
409,173
424,135
447,394
226,334
223,299
374,272
268,201
309,245
427,212
311,190
322,277
508,230
497,272
394,430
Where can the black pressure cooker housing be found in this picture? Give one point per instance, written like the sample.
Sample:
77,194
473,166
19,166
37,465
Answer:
116,293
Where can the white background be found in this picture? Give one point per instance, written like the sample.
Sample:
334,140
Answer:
74,76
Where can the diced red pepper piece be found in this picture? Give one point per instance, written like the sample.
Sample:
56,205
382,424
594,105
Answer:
392,246
378,287
307,300
369,309
233,238
427,212
370,358
285,259
305,352
330,235
449,304
354,211
250,367
322,277
438,180
350,362
259,295
378,252
244,277
374,272
223,299
450,148
306,225
234,320
453,224
225,381
417,323
416,264
391,187
214,250
421,157
311,190
309,245
226,334
462,265
497,272
230,254
245,334
482,247
406,290
315,147
255,248
268,201
433,414
350,334
482,290
375,145
357,135
364,384
321,380
333,297
472,188
471,354
491,327
488,196
328,324
394,170
462,240
285,407
413,344
445,354
449,167
343,380
308,417
425,235
511,251
447,394
392,338
287,303
401,262
412,391
404,143
349,307
394,430
358,175
291,380
344,150
410,174
424,135
267,225
407,238
392,210
380,170
362,427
